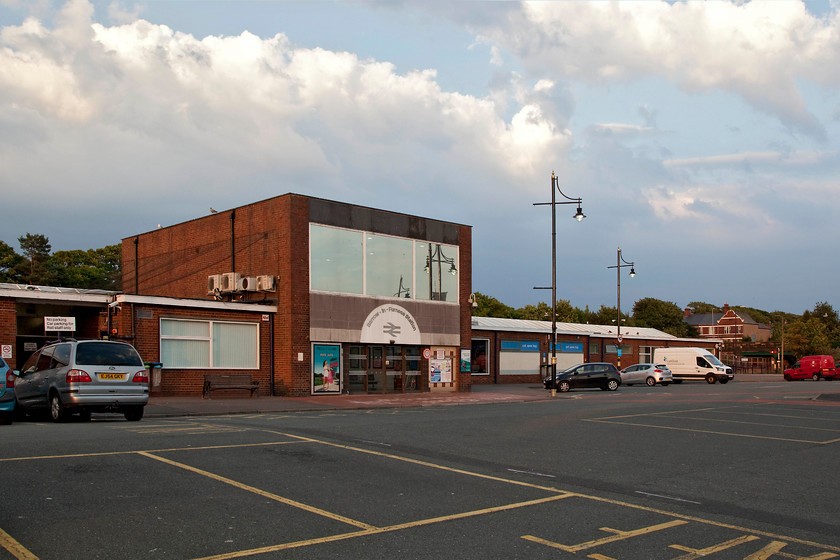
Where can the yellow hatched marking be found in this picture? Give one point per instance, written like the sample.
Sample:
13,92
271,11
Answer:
699,552
618,535
259,492
15,548
775,547
380,530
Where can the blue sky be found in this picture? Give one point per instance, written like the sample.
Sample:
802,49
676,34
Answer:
702,137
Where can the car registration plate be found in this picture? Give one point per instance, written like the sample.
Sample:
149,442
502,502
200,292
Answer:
111,376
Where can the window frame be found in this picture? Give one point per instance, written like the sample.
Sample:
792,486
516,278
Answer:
210,323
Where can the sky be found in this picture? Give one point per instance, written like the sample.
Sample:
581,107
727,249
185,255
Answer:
702,137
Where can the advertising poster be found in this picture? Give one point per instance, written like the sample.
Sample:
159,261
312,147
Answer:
326,369
441,371
466,361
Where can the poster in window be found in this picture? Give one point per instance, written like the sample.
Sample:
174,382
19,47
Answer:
326,369
441,371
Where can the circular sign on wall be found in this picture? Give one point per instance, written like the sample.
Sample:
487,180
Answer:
427,353
390,324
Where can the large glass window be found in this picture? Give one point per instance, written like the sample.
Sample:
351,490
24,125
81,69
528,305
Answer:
336,260
355,262
436,270
209,344
388,266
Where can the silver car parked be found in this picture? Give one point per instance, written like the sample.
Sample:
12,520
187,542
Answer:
84,376
649,374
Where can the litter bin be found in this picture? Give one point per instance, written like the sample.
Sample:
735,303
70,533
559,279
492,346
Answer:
154,374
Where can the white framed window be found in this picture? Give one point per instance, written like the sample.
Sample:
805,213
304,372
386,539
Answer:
192,344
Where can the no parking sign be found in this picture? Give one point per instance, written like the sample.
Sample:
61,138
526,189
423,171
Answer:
6,351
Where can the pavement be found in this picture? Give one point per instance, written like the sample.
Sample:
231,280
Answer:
230,403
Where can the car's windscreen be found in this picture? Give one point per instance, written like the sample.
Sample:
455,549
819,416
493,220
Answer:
712,360
107,354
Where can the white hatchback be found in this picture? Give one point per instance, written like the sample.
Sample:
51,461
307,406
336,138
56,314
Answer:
649,374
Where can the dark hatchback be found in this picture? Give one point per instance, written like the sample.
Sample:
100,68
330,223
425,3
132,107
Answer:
601,375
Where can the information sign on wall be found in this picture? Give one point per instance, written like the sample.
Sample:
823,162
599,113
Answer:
59,324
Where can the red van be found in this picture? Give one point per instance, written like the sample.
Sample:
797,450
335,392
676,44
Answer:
812,367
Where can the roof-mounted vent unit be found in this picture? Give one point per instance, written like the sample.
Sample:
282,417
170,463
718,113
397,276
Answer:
230,281
214,284
265,283
247,284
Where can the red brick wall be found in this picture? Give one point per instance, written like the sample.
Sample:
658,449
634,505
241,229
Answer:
8,327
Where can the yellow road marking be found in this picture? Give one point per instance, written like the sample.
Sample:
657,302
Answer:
775,548
170,449
618,535
425,463
786,426
694,553
380,530
259,492
15,548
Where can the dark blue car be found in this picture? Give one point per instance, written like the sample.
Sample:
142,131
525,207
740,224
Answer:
7,393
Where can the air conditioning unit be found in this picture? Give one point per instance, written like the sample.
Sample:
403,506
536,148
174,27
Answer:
247,284
214,284
265,283
230,282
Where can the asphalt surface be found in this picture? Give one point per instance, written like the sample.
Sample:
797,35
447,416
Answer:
234,402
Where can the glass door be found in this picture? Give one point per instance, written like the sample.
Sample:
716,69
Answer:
395,372
376,370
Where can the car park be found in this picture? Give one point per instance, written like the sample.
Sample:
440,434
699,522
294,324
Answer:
7,393
601,375
84,376
812,367
649,374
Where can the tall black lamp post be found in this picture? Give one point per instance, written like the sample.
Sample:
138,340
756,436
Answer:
619,264
436,256
579,216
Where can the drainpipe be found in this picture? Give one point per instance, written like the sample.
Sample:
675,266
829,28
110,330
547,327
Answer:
232,241
136,266
271,354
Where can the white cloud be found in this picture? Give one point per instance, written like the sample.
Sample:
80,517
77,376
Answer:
757,49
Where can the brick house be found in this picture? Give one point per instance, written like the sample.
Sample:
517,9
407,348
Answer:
728,325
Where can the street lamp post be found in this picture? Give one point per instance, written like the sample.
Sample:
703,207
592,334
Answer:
579,216
436,256
619,264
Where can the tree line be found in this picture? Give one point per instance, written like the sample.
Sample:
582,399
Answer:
37,264
815,332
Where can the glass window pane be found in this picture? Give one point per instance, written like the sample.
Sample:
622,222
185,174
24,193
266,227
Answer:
436,270
176,353
335,259
234,345
191,329
388,266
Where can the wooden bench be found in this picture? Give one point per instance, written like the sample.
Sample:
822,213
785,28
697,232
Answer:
214,381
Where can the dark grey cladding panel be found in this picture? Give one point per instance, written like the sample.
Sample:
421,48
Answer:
349,216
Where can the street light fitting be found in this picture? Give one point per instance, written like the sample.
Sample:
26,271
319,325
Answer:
619,264
579,216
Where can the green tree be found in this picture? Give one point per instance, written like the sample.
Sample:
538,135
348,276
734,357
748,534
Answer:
491,307
10,264
665,316
807,336
91,269
607,316
698,307
565,312
36,248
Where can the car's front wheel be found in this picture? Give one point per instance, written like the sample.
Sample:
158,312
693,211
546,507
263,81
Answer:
710,379
564,386
58,412
612,385
816,377
650,381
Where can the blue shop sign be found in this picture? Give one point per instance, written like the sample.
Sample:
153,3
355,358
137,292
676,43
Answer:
521,345
571,347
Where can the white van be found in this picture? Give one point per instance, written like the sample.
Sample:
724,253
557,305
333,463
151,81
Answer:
693,363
